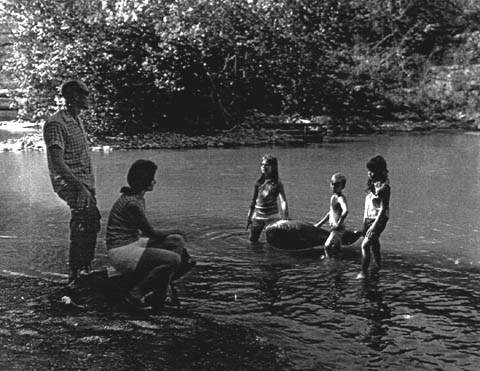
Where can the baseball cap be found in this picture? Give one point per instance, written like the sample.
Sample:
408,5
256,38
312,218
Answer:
70,85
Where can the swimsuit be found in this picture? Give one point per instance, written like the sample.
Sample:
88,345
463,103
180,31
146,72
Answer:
381,192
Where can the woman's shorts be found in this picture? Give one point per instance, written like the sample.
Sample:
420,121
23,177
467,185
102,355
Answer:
125,258
380,227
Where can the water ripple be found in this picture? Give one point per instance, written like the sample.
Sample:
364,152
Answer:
417,315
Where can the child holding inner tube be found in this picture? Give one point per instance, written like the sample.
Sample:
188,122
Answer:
336,215
268,194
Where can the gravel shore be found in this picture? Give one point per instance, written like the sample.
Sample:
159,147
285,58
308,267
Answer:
32,140
40,330
30,137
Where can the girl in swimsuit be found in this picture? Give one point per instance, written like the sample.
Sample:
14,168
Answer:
267,192
377,212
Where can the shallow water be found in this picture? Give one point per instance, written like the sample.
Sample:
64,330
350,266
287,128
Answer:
420,312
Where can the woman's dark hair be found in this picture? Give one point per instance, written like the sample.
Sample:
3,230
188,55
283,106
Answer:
378,166
139,176
271,160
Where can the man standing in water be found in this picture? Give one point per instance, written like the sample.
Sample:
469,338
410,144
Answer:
71,174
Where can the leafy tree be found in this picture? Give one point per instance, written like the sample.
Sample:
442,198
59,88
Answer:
199,65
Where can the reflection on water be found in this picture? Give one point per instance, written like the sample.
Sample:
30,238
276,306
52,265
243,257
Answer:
420,312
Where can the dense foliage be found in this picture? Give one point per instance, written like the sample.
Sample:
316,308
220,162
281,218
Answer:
196,65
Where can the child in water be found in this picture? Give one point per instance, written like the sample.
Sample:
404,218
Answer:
156,259
268,193
376,214
336,215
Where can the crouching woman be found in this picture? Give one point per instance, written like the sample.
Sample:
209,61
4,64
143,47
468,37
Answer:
134,246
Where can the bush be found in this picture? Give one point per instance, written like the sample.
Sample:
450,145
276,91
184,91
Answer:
200,65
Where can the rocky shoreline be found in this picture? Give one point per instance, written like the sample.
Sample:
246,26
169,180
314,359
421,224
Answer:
33,140
239,136
39,331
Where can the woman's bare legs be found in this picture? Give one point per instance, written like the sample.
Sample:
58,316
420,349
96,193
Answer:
156,266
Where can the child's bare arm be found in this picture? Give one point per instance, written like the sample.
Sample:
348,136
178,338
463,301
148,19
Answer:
283,205
322,221
283,202
252,206
249,217
343,204
380,215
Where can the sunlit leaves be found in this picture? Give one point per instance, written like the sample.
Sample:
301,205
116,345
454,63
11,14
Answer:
196,64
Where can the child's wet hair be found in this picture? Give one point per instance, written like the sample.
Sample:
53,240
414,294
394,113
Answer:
377,164
271,160
339,178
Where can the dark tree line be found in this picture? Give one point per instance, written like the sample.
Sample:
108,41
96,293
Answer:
198,65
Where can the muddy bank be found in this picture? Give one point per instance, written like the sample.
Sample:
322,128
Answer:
40,332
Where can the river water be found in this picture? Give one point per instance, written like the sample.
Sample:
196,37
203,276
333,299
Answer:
421,312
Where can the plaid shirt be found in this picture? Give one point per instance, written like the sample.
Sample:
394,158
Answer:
63,131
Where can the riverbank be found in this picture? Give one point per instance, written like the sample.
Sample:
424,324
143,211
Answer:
38,332
30,137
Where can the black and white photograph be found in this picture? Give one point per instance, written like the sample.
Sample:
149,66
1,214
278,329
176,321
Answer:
239,185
